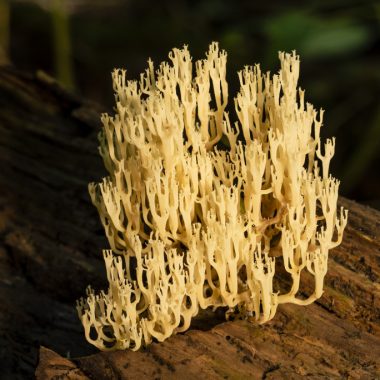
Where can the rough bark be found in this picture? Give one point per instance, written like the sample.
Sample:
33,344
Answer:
50,250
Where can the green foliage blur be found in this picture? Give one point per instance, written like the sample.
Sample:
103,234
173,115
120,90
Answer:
81,41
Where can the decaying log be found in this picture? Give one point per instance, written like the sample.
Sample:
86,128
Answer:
50,250
50,235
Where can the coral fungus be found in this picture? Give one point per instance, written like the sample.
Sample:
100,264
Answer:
193,223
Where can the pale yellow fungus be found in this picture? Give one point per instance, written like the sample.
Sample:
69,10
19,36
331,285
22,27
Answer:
192,225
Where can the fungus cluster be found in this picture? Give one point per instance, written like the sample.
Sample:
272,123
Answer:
198,210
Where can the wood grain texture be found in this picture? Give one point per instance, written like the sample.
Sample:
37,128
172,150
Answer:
50,250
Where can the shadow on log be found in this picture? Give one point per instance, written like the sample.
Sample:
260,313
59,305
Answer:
50,250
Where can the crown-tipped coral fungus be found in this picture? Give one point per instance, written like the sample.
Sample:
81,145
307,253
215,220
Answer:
192,223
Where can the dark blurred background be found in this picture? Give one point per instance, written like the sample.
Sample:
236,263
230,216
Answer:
80,41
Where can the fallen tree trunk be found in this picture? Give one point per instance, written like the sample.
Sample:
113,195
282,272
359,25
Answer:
50,250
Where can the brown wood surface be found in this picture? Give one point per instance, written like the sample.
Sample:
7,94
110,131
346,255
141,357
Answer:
50,249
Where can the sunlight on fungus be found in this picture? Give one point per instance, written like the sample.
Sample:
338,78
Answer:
193,223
